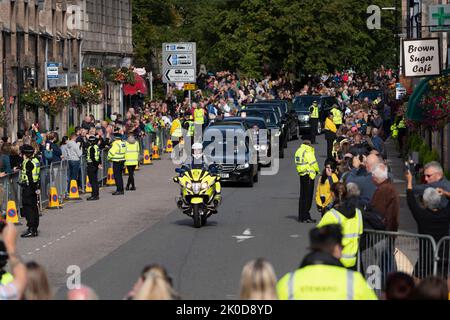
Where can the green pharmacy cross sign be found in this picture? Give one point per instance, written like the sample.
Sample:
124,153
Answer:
439,18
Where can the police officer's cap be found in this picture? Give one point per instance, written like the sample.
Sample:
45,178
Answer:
27,149
92,139
326,236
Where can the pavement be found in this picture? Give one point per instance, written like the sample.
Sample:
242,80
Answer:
111,240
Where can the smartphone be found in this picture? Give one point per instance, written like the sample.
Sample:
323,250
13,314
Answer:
48,146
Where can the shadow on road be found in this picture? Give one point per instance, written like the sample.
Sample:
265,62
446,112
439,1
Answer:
190,223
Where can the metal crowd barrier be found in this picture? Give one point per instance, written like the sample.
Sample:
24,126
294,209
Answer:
442,258
9,190
382,252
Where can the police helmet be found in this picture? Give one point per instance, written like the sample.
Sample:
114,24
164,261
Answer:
27,150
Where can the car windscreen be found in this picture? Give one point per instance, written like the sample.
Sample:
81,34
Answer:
303,103
268,116
254,122
225,137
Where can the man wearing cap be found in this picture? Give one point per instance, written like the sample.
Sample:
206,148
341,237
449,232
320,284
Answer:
314,120
307,169
93,162
117,156
321,275
29,181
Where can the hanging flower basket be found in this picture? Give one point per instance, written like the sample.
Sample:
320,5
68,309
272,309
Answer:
94,76
436,103
121,76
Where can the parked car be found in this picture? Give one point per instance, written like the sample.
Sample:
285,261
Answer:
301,107
238,166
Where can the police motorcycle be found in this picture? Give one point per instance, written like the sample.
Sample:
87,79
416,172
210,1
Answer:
200,189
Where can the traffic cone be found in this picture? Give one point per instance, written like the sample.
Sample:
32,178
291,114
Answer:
169,148
110,179
126,171
53,201
88,188
11,213
73,192
147,158
155,154
137,167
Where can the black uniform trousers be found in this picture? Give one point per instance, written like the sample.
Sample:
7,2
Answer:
330,137
30,207
314,122
92,172
118,171
130,182
306,197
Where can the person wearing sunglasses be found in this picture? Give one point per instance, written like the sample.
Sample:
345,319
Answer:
434,178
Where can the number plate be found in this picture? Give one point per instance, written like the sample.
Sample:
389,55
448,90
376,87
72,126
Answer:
224,175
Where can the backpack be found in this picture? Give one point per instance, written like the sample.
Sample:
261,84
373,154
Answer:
48,155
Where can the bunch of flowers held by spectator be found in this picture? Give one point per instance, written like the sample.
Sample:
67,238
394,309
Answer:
436,104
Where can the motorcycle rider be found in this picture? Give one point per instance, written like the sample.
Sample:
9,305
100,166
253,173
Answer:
199,161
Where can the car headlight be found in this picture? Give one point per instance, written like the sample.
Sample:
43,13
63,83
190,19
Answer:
264,147
205,185
257,147
196,187
278,134
243,166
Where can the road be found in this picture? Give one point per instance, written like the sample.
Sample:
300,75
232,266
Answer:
113,239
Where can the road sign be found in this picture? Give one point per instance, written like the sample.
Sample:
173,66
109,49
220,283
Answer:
52,70
179,62
189,86
439,18
180,75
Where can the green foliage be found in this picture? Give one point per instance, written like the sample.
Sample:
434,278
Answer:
254,36
414,142
70,131
423,151
431,156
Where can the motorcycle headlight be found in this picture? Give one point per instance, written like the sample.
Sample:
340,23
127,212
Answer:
205,186
243,166
196,187
188,185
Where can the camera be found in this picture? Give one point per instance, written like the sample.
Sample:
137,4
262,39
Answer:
410,166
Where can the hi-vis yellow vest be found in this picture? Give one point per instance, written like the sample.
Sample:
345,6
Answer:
306,162
314,114
117,151
36,173
324,282
352,229
176,130
337,116
199,116
132,154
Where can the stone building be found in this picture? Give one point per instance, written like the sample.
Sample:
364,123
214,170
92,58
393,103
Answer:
96,33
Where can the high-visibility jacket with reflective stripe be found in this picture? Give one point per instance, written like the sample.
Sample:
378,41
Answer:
324,282
132,154
324,191
36,173
337,116
314,111
402,124
96,154
394,131
306,161
117,151
7,278
352,229
176,130
199,116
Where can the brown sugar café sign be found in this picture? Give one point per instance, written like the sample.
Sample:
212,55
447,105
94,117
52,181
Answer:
422,57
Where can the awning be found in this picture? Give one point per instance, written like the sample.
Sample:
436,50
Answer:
415,112
131,90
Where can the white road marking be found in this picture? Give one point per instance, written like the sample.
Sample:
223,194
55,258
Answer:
245,236
44,246
295,236
37,249
30,253
63,237
50,243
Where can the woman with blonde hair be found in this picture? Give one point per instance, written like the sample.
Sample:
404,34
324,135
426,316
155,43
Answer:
156,286
38,287
258,281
